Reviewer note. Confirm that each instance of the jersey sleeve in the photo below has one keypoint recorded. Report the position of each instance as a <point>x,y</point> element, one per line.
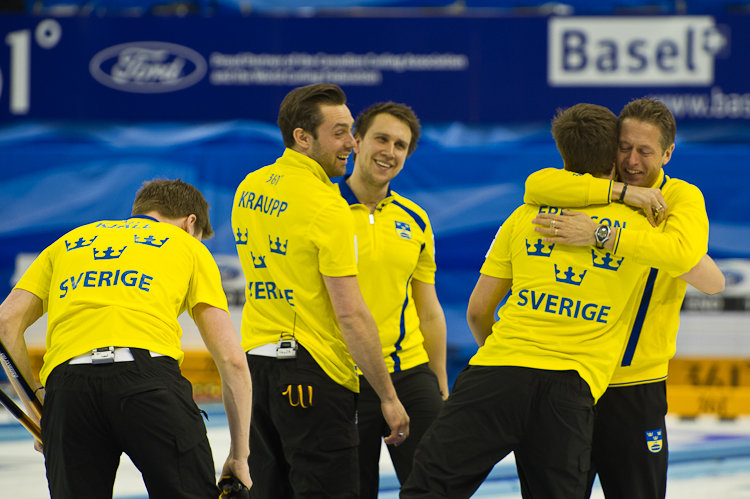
<point>566,189</point>
<point>426,267</point>
<point>498,261</point>
<point>684,240</point>
<point>38,277</point>
<point>332,232</point>
<point>205,283</point>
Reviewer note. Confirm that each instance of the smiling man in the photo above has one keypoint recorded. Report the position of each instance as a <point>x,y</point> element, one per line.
<point>305,324</point>
<point>630,436</point>
<point>397,279</point>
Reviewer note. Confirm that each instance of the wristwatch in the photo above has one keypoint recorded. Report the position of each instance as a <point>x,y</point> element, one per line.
<point>601,235</point>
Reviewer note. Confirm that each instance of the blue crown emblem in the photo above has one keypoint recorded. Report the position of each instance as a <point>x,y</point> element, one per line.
<point>278,246</point>
<point>606,260</point>
<point>569,275</point>
<point>538,248</point>
<point>108,254</point>
<point>238,240</point>
<point>150,241</point>
<point>261,259</point>
<point>78,244</point>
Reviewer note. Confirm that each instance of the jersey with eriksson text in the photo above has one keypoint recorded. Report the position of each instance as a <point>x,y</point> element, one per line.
<point>395,244</point>
<point>291,228</point>
<point>121,283</point>
<point>674,250</point>
<point>570,306</point>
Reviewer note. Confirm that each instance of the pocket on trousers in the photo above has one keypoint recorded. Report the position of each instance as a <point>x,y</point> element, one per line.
<point>146,385</point>
<point>140,388</point>
<point>194,458</point>
<point>340,439</point>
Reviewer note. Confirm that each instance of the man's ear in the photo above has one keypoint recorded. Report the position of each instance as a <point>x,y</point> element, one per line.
<point>302,138</point>
<point>188,225</point>
<point>667,155</point>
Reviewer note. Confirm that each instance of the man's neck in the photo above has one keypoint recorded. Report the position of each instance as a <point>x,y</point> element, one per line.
<point>367,194</point>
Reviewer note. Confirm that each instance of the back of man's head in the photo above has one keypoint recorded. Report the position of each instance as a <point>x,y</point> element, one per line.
<point>586,136</point>
<point>399,111</point>
<point>654,112</point>
<point>174,199</point>
<point>301,109</point>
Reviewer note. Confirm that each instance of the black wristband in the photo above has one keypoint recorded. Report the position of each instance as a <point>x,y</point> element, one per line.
<point>622,193</point>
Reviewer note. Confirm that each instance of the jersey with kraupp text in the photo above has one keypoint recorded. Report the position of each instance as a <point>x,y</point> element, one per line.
<point>291,228</point>
<point>121,283</point>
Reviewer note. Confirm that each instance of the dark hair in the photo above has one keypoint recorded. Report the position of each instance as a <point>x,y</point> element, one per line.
<point>398,111</point>
<point>301,109</point>
<point>586,136</point>
<point>654,112</point>
<point>174,199</point>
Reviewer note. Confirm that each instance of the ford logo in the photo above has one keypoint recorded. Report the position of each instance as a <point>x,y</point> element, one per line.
<point>148,67</point>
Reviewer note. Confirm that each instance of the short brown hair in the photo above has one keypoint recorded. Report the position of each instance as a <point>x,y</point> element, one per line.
<point>174,199</point>
<point>399,111</point>
<point>301,109</point>
<point>654,112</point>
<point>586,136</point>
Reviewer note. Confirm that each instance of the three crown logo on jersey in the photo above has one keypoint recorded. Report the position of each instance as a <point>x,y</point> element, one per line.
<point>278,247</point>
<point>403,230</point>
<point>653,440</point>
<point>108,254</point>
<point>261,261</point>
<point>606,260</point>
<point>238,240</point>
<point>150,241</point>
<point>539,247</point>
<point>78,244</point>
<point>570,276</point>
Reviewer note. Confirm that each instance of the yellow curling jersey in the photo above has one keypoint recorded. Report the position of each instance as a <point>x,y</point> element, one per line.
<point>291,228</point>
<point>675,248</point>
<point>121,283</point>
<point>395,245</point>
<point>570,306</point>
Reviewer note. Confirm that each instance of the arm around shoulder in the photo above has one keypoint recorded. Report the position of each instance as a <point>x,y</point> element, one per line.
<point>562,188</point>
<point>705,276</point>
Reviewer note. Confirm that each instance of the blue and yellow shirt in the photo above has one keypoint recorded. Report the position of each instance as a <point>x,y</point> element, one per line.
<point>395,245</point>
<point>675,248</point>
<point>291,227</point>
<point>121,283</point>
<point>570,306</point>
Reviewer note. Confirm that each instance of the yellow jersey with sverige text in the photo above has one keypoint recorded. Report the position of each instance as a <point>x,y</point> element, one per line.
<point>291,228</point>
<point>570,306</point>
<point>395,245</point>
<point>121,283</point>
<point>678,245</point>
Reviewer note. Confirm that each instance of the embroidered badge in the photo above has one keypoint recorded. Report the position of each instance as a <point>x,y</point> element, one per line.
<point>653,440</point>
<point>403,230</point>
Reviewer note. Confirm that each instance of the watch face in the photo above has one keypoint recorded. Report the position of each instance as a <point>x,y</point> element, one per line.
<point>602,234</point>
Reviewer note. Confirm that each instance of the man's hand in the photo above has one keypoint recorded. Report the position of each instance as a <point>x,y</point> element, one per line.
<point>650,200</point>
<point>398,421</point>
<point>237,468</point>
<point>572,227</point>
